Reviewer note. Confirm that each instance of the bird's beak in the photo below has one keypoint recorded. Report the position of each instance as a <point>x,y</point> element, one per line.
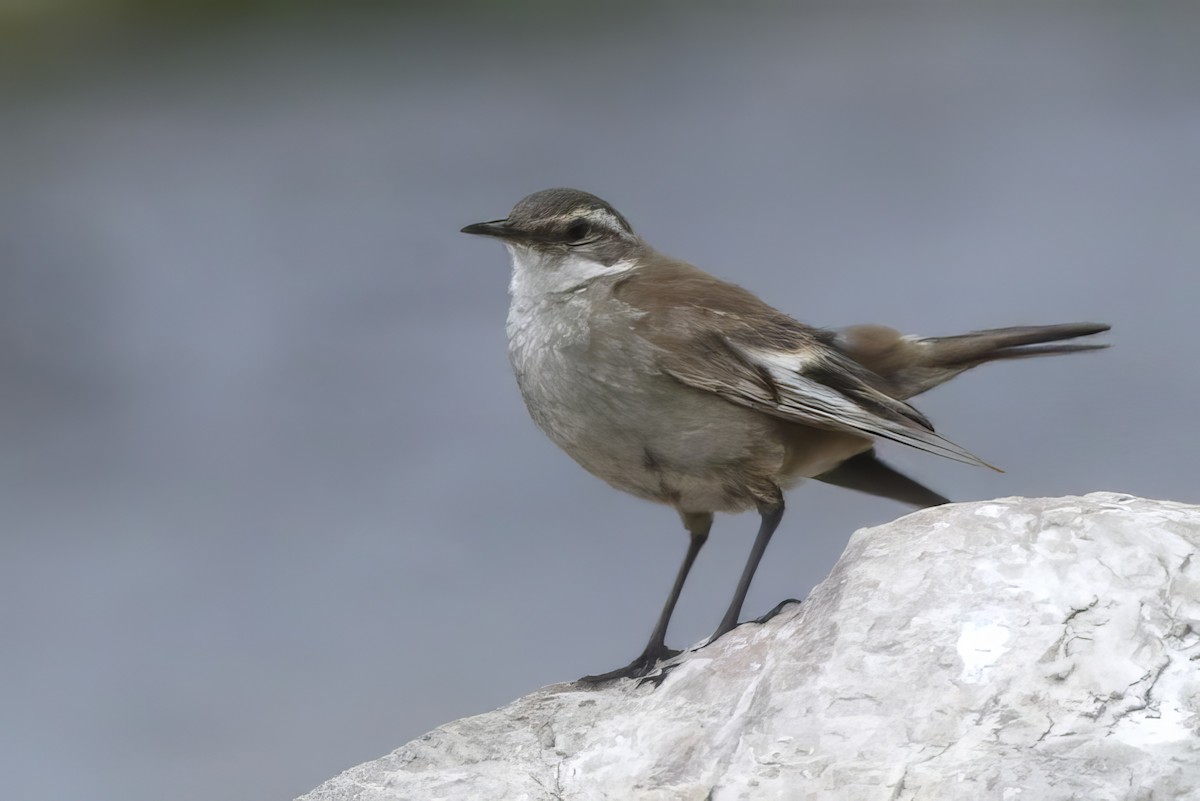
<point>497,228</point>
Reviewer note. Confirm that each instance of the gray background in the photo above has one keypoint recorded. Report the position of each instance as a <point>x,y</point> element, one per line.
<point>271,503</point>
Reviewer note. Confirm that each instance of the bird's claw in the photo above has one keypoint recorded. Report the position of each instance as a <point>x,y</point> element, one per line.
<point>640,668</point>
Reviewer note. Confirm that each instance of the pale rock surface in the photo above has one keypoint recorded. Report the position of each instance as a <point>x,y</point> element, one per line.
<point>1017,649</point>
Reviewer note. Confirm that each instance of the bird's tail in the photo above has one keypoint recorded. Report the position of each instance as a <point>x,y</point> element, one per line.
<point>911,365</point>
<point>1010,343</point>
<point>866,473</point>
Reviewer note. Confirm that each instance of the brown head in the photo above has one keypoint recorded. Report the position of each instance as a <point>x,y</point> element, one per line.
<point>565,221</point>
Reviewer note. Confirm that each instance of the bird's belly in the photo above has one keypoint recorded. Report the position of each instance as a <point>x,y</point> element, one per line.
<point>646,433</point>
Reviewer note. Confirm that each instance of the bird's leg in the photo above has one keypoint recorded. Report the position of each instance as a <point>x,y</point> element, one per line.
<point>771,513</point>
<point>698,525</point>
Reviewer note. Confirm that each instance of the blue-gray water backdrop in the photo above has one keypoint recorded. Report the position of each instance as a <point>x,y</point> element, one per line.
<point>271,503</point>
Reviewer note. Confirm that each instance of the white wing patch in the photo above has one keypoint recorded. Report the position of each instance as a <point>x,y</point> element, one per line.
<point>807,400</point>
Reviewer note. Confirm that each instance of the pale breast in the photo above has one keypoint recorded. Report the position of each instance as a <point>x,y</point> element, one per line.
<point>592,384</point>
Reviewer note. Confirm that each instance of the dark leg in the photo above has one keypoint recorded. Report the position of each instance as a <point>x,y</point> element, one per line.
<point>771,513</point>
<point>656,650</point>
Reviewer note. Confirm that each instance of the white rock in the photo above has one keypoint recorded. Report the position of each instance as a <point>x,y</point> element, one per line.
<point>1018,649</point>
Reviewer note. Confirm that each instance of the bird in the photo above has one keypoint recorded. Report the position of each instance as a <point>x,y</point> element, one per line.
<point>681,388</point>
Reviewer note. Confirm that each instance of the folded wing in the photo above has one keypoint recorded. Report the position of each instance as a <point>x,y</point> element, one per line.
<point>720,338</point>
<point>814,387</point>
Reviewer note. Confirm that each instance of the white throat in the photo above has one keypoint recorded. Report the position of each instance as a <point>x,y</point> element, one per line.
<point>538,276</point>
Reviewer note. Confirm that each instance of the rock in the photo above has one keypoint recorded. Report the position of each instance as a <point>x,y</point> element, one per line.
<point>1017,649</point>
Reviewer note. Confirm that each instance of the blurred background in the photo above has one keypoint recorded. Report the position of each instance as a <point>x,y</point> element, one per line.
<point>271,503</point>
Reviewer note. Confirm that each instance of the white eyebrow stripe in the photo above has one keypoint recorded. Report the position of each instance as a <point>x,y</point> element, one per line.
<point>601,216</point>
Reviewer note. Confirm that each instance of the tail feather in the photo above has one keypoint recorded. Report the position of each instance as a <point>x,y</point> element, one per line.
<point>908,365</point>
<point>978,347</point>
<point>1047,350</point>
<point>866,473</point>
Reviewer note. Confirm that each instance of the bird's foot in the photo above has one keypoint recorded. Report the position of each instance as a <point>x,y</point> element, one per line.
<point>722,630</point>
<point>640,668</point>
<point>778,608</point>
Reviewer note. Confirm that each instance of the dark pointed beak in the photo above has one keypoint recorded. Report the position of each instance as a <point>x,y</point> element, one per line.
<point>497,228</point>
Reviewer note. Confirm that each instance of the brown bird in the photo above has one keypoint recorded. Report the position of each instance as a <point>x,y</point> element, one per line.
<point>680,388</point>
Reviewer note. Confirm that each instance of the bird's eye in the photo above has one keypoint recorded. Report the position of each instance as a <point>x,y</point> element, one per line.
<point>578,232</point>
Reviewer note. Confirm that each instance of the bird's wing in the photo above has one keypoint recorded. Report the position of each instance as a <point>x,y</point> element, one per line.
<point>812,386</point>
<point>719,338</point>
